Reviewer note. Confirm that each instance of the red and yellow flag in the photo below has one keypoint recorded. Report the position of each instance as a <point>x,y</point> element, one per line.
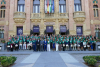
<point>48,6</point>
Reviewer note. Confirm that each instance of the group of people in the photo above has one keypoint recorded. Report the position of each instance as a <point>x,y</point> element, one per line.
<point>52,42</point>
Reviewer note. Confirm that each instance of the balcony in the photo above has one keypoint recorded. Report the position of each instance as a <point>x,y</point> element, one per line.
<point>19,17</point>
<point>35,17</point>
<point>79,16</point>
<point>63,17</point>
<point>2,14</point>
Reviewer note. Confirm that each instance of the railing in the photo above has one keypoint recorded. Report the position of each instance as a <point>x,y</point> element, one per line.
<point>63,14</point>
<point>49,15</point>
<point>19,15</point>
<point>2,13</point>
<point>35,15</point>
<point>79,14</point>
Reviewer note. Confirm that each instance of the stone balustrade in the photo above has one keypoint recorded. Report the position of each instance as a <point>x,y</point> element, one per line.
<point>79,16</point>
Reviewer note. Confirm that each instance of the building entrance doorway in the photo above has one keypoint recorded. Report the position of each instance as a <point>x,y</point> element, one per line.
<point>36,34</point>
<point>63,33</point>
<point>49,34</point>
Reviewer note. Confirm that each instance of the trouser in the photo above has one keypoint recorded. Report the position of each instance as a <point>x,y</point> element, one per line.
<point>48,47</point>
<point>20,46</point>
<point>8,48</point>
<point>60,47</point>
<point>16,48</point>
<point>67,47</point>
<point>45,47</point>
<point>74,47</point>
<point>28,46</point>
<point>38,47</point>
<point>24,46</point>
<point>56,47</point>
<point>84,48</point>
<point>63,48</point>
<point>11,49</point>
<point>34,47</point>
<point>41,47</point>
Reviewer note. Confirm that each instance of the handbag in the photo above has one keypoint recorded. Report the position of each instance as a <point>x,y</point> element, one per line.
<point>66,45</point>
<point>88,45</point>
<point>63,45</point>
<point>16,45</point>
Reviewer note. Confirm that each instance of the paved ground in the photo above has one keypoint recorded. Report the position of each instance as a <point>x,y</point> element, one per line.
<point>49,59</point>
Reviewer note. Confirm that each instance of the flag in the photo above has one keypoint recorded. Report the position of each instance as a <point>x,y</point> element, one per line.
<point>53,6</point>
<point>48,7</point>
<point>45,7</point>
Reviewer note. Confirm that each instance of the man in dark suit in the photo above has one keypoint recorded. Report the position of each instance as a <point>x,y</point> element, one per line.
<point>45,45</point>
<point>38,44</point>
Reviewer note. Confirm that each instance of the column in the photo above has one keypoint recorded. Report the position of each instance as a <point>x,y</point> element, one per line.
<point>28,14</point>
<point>82,4</point>
<point>42,8</point>
<point>56,7</point>
<point>11,15</point>
<point>42,27</point>
<point>87,21</point>
<point>57,26</point>
<point>15,5</point>
<point>31,6</point>
<point>71,21</point>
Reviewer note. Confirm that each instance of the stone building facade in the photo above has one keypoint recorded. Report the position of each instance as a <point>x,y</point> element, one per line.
<point>76,15</point>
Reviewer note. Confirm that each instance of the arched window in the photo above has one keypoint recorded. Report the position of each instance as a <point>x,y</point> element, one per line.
<point>62,6</point>
<point>2,12</point>
<point>77,5</point>
<point>36,6</point>
<point>95,8</point>
<point>21,6</point>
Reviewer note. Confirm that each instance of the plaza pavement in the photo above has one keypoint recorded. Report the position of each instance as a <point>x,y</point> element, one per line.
<point>49,59</point>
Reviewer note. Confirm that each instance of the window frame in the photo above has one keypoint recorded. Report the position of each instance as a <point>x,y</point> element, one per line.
<point>79,6</point>
<point>95,10</point>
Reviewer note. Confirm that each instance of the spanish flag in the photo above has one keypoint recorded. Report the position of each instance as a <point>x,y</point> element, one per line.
<point>48,6</point>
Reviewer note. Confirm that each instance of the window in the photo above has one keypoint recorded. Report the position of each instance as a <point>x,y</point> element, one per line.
<point>95,8</point>
<point>2,12</point>
<point>36,6</point>
<point>77,5</point>
<point>49,6</point>
<point>21,6</point>
<point>62,6</point>
<point>1,33</point>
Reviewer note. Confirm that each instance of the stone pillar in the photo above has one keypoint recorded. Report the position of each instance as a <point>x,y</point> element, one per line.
<point>11,15</point>
<point>71,21</point>
<point>57,26</point>
<point>67,10</point>
<point>28,13</point>
<point>42,14</point>
<point>87,21</point>
<point>16,5</point>
<point>31,6</point>
<point>82,4</point>
<point>42,27</point>
<point>56,7</point>
<point>42,8</point>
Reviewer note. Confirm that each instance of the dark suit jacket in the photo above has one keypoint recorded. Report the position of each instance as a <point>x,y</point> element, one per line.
<point>38,42</point>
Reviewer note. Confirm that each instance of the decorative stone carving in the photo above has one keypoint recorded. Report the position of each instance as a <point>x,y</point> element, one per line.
<point>79,16</point>
<point>19,17</point>
<point>63,17</point>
